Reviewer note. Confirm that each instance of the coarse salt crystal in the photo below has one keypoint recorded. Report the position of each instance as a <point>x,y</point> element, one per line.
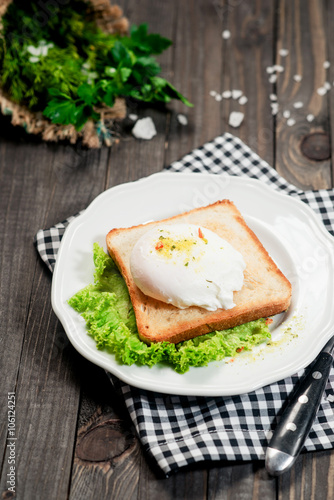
<point>283,52</point>
<point>321,90</point>
<point>226,34</point>
<point>133,117</point>
<point>327,85</point>
<point>269,69</point>
<point>273,97</point>
<point>182,119</point>
<point>227,94</point>
<point>326,64</point>
<point>297,78</point>
<point>310,118</point>
<point>278,68</point>
<point>144,129</point>
<point>213,93</point>
<point>274,108</point>
<point>298,104</point>
<point>236,94</point>
<point>273,78</point>
<point>243,100</point>
<point>291,122</point>
<point>218,97</point>
<point>286,113</point>
<point>235,119</point>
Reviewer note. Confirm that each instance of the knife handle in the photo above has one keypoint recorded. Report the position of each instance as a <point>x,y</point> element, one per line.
<point>296,421</point>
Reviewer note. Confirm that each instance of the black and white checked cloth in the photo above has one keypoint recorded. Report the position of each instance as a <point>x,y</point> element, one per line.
<point>179,430</point>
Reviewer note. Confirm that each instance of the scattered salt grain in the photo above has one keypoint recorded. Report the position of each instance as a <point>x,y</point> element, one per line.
<point>273,97</point>
<point>286,113</point>
<point>218,97</point>
<point>327,85</point>
<point>144,129</point>
<point>321,90</point>
<point>182,119</point>
<point>274,108</point>
<point>226,34</point>
<point>310,118</point>
<point>298,104</point>
<point>133,117</point>
<point>273,78</point>
<point>227,94</point>
<point>235,119</point>
<point>270,69</point>
<point>278,68</point>
<point>297,78</point>
<point>326,64</point>
<point>243,100</point>
<point>213,93</point>
<point>291,122</point>
<point>283,52</point>
<point>236,94</point>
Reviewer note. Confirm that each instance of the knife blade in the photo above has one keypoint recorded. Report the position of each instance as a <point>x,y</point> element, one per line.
<point>297,419</point>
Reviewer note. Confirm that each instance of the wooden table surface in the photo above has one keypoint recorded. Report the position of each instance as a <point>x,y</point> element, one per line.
<point>66,411</point>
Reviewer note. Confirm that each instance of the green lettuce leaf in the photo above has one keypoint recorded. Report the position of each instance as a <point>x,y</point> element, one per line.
<point>108,312</point>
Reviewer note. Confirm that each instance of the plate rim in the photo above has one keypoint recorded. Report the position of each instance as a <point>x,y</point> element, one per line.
<point>80,219</point>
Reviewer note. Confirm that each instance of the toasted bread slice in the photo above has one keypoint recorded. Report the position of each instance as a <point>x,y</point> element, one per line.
<point>265,291</point>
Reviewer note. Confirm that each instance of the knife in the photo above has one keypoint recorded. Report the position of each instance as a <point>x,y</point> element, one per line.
<point>297,419</point>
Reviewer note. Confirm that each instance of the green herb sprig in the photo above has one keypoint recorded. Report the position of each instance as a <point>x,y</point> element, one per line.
<point>69,69</point>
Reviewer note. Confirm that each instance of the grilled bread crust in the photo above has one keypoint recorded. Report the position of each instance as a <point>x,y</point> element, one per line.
<point>265,292</point>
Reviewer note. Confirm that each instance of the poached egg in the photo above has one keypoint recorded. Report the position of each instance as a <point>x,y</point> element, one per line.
<point>187,265</point>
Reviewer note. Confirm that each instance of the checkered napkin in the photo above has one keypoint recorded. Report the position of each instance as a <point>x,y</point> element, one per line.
<point>179,430</point>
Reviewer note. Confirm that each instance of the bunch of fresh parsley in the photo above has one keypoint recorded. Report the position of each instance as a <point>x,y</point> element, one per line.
<point>68,68</point>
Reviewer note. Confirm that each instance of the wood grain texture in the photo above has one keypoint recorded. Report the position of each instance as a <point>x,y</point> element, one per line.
<point>311,478</point>
<point>197,68</point>
<point>75,438</point>
<point>36,370</point>
<point>248,53</point>
<point>302,31</point>
<point>330,45</point>
<point>253,482</point>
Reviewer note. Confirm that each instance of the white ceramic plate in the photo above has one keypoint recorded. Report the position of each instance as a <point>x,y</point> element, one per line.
<point>290,231</point>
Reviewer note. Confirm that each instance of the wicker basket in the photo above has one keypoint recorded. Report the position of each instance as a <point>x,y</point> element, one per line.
<point>93,135</point>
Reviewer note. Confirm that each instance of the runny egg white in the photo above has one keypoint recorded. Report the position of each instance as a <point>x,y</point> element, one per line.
<point>187,265</point>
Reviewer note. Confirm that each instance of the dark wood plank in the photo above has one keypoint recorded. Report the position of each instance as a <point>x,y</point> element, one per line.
<point>129,160</point>
<point>303,157</point>
<point>107,457</point>
<point>197,68</point>
<point>302,31</point>
<point>35,370</point>
<point>189,483</point>
<point>40,363</point>
<point>42,184</point>
<point>242,481</point>
<point>248,53</point>
<point>311,478</point>
<point>77,176</point>
<point>330,45</point>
